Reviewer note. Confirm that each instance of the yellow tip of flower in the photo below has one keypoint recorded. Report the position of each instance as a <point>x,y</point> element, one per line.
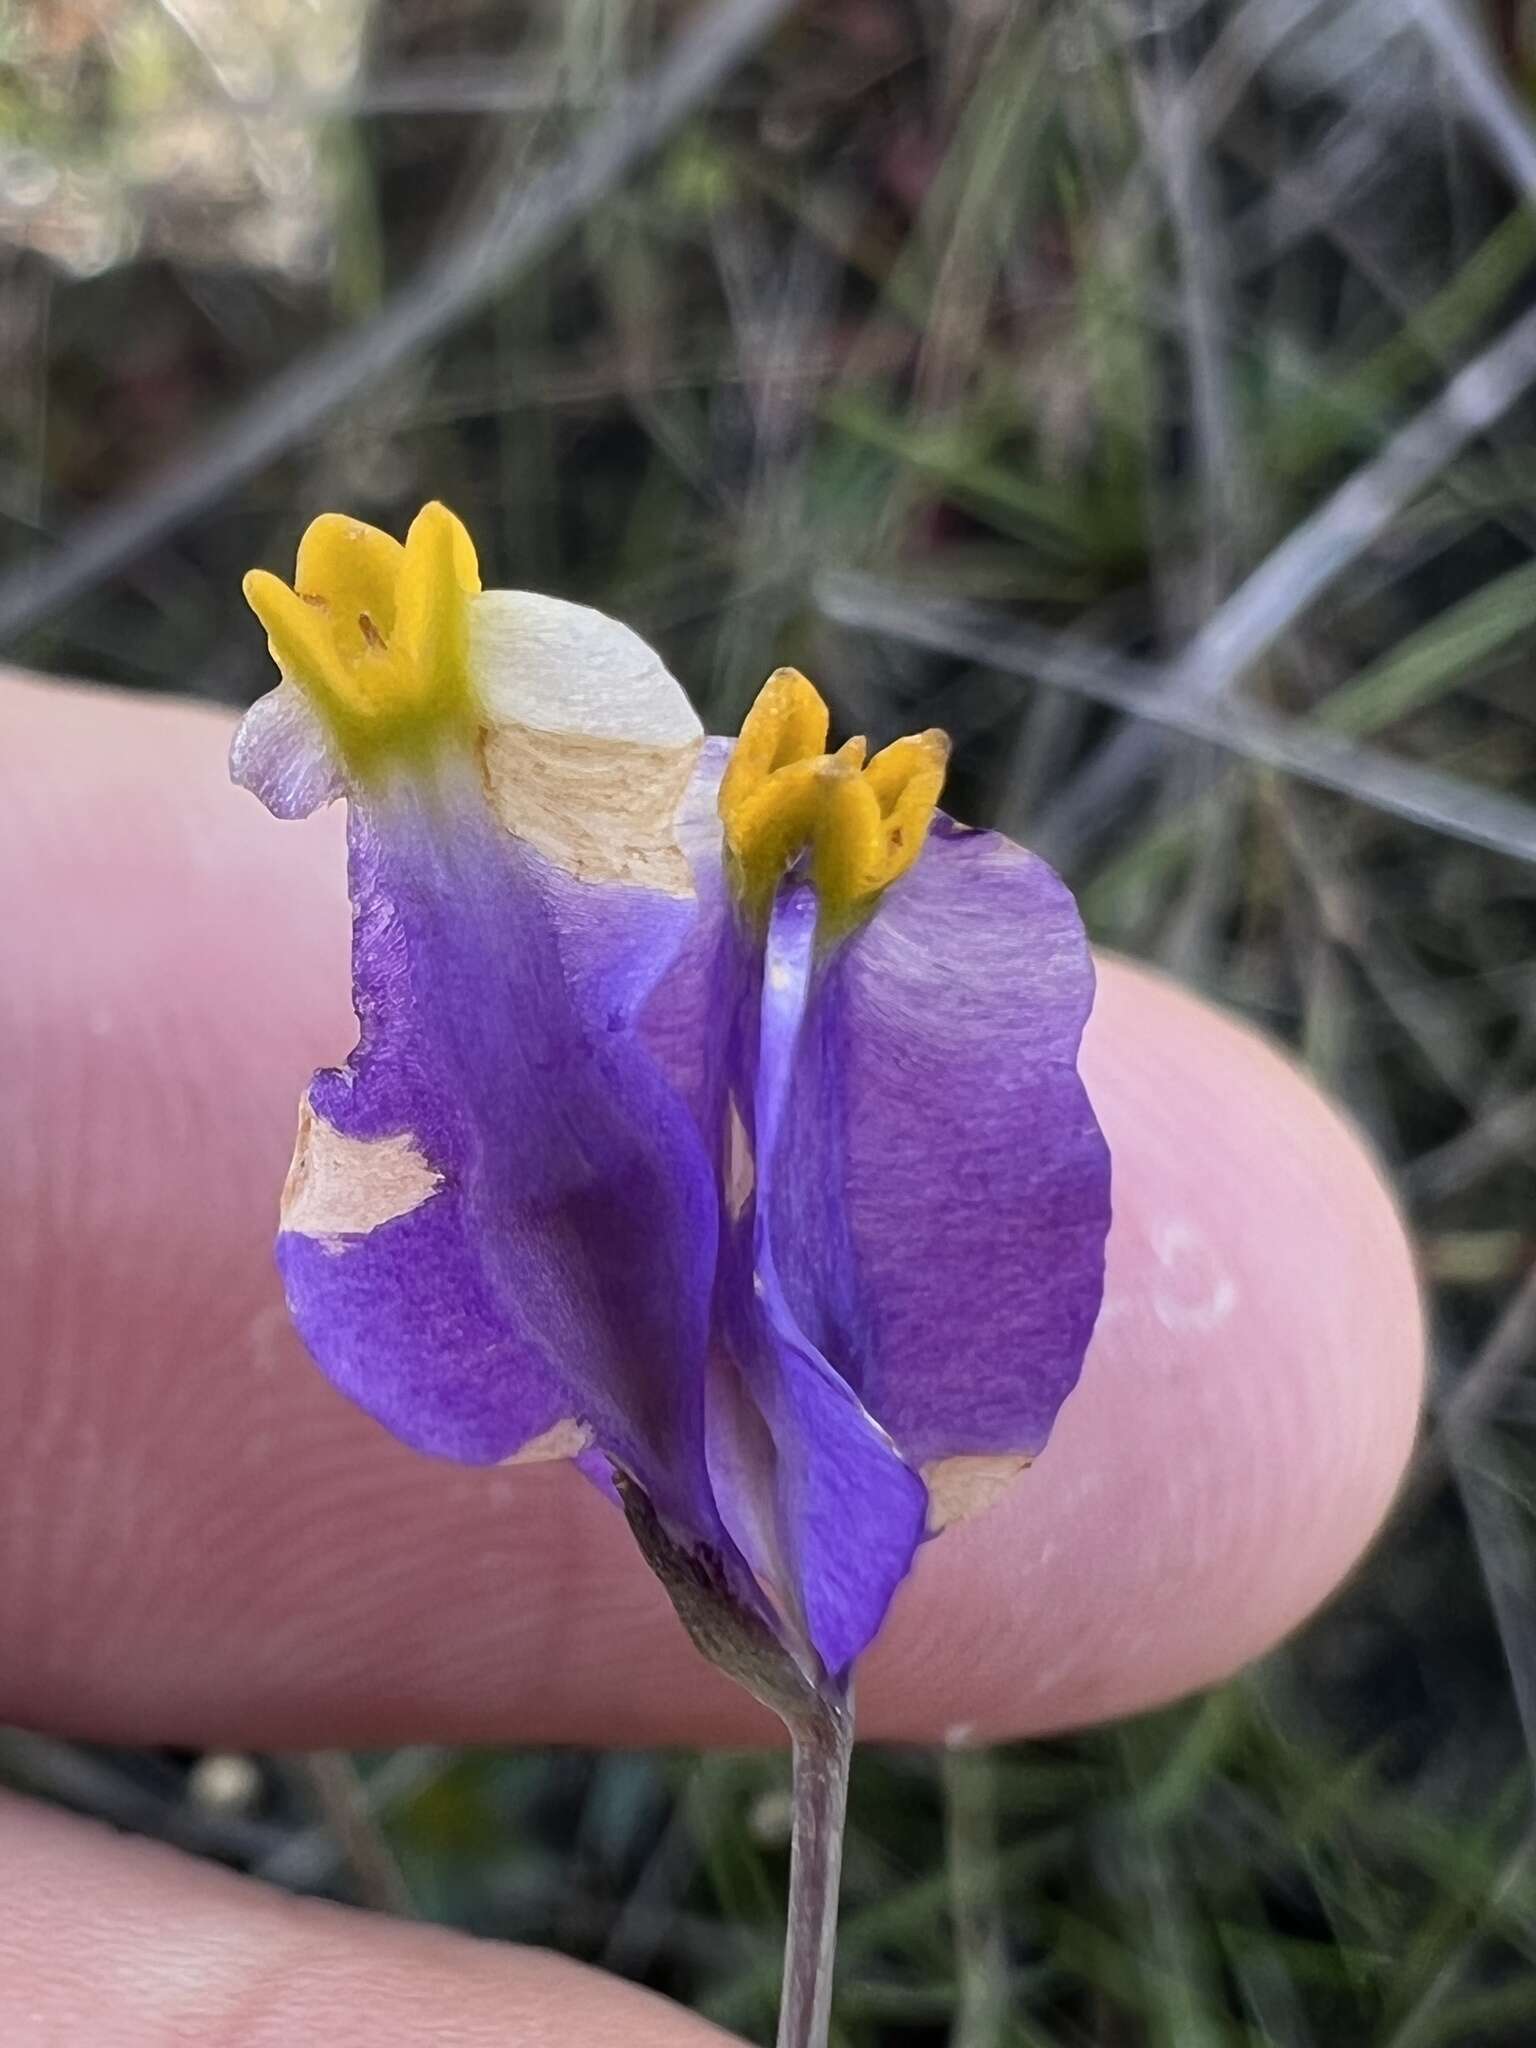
<point>376,634</point>
<point>787,724</point>
<point>782,795</point>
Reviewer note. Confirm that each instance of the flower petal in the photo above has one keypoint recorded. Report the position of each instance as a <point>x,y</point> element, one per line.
<point>941,1193</point>
<point>559,667</point>
<point>589,742</point>
<point>847,1512</point>
<point>506,1246</point>
<point>937,1092</point>
<point>281,754</point>
<point>499,1235</point>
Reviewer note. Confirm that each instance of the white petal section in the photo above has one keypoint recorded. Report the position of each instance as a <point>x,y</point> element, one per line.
<point>281,754</point>
<point>564,668</point>
<point>589,741</point>
<point>566,1439</point>
<point>340,1187</point>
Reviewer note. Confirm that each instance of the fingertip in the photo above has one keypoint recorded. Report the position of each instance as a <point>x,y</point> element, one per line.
<point>131,1945</point>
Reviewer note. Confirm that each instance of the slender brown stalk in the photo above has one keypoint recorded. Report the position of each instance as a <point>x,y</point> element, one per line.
<point>819,1718</point>
<point>822,1748</point>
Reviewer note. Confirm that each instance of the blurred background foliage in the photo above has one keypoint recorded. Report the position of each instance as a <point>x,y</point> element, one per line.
<point>1144,393</point>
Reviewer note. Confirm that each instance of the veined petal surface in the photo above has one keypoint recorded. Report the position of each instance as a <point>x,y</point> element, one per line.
<point>847,1511</point>
<point>939,1194</point>
<point>499,1234</point>
<point>537,1269</point>
<point>937,1090</point>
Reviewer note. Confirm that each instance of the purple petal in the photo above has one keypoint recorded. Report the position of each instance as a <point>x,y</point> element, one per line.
<point>847,1512</point>
<point>941,1188</point>
<point>535,1243</point>
<point>937,1104</point>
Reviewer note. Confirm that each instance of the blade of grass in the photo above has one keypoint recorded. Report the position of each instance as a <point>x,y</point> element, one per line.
<point>1442,655</point>
<point>1441,803</point>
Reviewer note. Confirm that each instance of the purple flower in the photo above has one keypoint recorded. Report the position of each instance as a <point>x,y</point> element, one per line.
<point>715,1116</point>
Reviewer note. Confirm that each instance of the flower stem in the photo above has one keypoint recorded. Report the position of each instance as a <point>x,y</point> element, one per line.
<point>822,1741</point>
<point>819,1717</point>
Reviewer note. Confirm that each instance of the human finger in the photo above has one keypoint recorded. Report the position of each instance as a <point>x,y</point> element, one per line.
<point>129,1944</point>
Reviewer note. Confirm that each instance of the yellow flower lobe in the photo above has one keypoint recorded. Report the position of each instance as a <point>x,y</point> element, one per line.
<point>783,796</point>
<point>376,634</point>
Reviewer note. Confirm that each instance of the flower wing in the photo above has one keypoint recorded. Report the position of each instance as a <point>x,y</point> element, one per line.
<point>937,1093</point>
<point>499,1233</point>
<point>845,1509</point>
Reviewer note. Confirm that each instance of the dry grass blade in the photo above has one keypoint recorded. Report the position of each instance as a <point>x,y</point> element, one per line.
<point>1425,796</point>
<point>342,1798</point>
<point>1481,86</point>
<point>1323,548</point>
<point>308,1858</point>
<point>1506,1355</point>
<point>1175,144</point>
<point>1319,551</point>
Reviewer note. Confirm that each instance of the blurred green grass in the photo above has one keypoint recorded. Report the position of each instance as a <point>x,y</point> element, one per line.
<point>1075,311</point>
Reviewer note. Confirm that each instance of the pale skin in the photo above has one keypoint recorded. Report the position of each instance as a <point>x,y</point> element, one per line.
<point>201,1543</point>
